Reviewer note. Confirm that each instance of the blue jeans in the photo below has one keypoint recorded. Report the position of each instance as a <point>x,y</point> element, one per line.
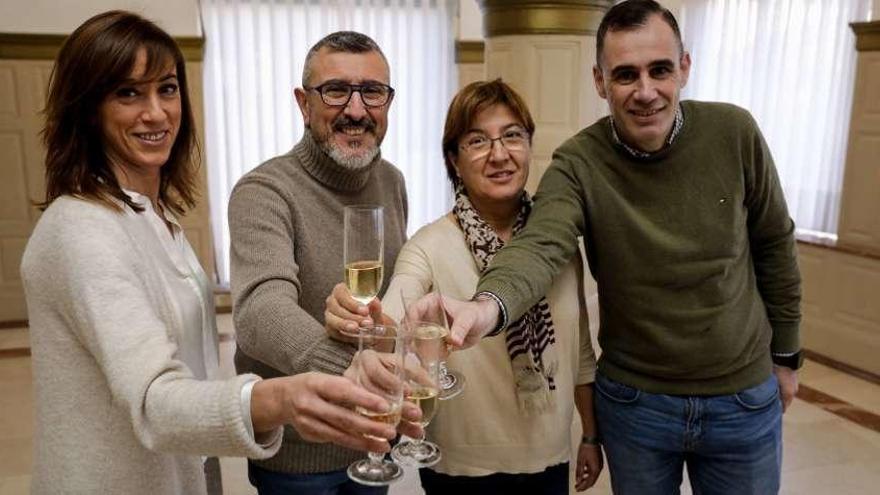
<point>731,444</point>
<point>332,483</point>
<point>551,481</point>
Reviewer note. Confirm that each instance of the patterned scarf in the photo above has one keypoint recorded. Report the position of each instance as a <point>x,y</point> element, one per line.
<point>530,339</point>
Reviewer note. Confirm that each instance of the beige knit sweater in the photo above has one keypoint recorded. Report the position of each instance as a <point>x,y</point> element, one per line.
<point>285,220</point>
<point>116,411</point>
<point>482,431</point>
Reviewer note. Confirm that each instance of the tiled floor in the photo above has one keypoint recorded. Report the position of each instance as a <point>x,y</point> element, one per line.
<point>824,452</point>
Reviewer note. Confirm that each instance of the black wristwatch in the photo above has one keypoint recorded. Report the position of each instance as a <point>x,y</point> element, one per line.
<point>792,360</point>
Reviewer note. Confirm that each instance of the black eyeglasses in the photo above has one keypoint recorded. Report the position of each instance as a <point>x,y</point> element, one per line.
<point>336,94</point>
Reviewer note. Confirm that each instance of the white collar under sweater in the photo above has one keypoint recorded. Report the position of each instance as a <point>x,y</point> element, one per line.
<point>193,304</point>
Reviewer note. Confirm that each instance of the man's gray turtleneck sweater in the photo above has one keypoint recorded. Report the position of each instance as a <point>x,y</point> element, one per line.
<point>285,220</point>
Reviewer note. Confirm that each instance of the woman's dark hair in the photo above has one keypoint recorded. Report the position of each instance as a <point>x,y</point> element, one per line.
<point>93,62</point>
<point>470,101</point>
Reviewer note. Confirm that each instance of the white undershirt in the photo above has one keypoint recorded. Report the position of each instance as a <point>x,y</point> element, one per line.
<point>193,303</point>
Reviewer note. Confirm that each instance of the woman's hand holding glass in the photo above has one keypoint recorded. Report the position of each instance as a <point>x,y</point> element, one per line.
<point>422,365</point>
<point>370,371</point>
<point>320,408</point>
<point>431,308</point>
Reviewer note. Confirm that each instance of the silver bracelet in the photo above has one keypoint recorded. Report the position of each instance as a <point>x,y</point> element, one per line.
<point>502,311</point>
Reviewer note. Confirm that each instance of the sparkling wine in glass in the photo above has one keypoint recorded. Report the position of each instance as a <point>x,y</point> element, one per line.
<point>380,370</point>
<point>422,373</point>
<point>363,253</point>
<point>429,308</point>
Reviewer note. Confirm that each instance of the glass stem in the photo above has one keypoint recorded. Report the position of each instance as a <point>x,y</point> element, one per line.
<point>416,441</point>
<point>376,458</point>
<point>445,382</point>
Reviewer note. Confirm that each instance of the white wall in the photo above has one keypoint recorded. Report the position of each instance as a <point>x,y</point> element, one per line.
<point>876,14</point>
<point>178,17</point>
<point>470,20</point>
<point>674,6</point>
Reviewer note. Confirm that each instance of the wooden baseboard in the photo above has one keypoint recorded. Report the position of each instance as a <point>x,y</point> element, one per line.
<point>841,408</point>
<point>14,353</point>
<point>840,366</point>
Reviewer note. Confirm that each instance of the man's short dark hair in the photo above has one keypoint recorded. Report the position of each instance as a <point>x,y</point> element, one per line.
<point>633,14</point>
<point>340,41</point>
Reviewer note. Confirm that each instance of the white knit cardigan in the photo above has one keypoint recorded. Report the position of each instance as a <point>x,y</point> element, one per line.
<point>116,411</point>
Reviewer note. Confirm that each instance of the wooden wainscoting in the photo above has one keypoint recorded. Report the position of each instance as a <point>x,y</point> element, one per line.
<point>25,67</point>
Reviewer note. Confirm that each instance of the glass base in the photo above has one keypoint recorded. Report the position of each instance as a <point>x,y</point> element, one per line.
<point>422,454</point>
<point>367,472</point>
<point>451,385</point>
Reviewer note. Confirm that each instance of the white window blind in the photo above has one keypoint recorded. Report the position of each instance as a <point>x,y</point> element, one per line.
<point>254,57</point>
<point>791,63</point>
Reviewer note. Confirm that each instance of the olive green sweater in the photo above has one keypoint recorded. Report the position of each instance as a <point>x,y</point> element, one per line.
<point>692,248</point>
<point>285,220</point>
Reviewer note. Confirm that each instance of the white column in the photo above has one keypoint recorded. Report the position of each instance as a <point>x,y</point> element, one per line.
<point>859,225</point>
<point>546,51</point>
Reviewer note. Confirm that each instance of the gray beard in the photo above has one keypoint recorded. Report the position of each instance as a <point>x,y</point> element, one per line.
<point>352,162</point>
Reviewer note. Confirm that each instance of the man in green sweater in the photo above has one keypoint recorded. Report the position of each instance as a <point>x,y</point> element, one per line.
<point>688,236</point>
<point>285,220</point>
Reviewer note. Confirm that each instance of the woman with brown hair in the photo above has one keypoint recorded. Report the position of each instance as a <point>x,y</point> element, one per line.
<point>508,431</point>
<point>124,342</point>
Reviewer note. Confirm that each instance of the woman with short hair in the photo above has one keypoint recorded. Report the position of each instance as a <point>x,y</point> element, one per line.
<point>508,431</point>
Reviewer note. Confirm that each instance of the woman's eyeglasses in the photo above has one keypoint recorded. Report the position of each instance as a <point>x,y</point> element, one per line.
<point>477,145</point>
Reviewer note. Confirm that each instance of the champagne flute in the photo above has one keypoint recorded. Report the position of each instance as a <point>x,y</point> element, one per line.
<point>422,373</point>
<point>363,252</point>
<point>430,309</point>
<point>380,365</point>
